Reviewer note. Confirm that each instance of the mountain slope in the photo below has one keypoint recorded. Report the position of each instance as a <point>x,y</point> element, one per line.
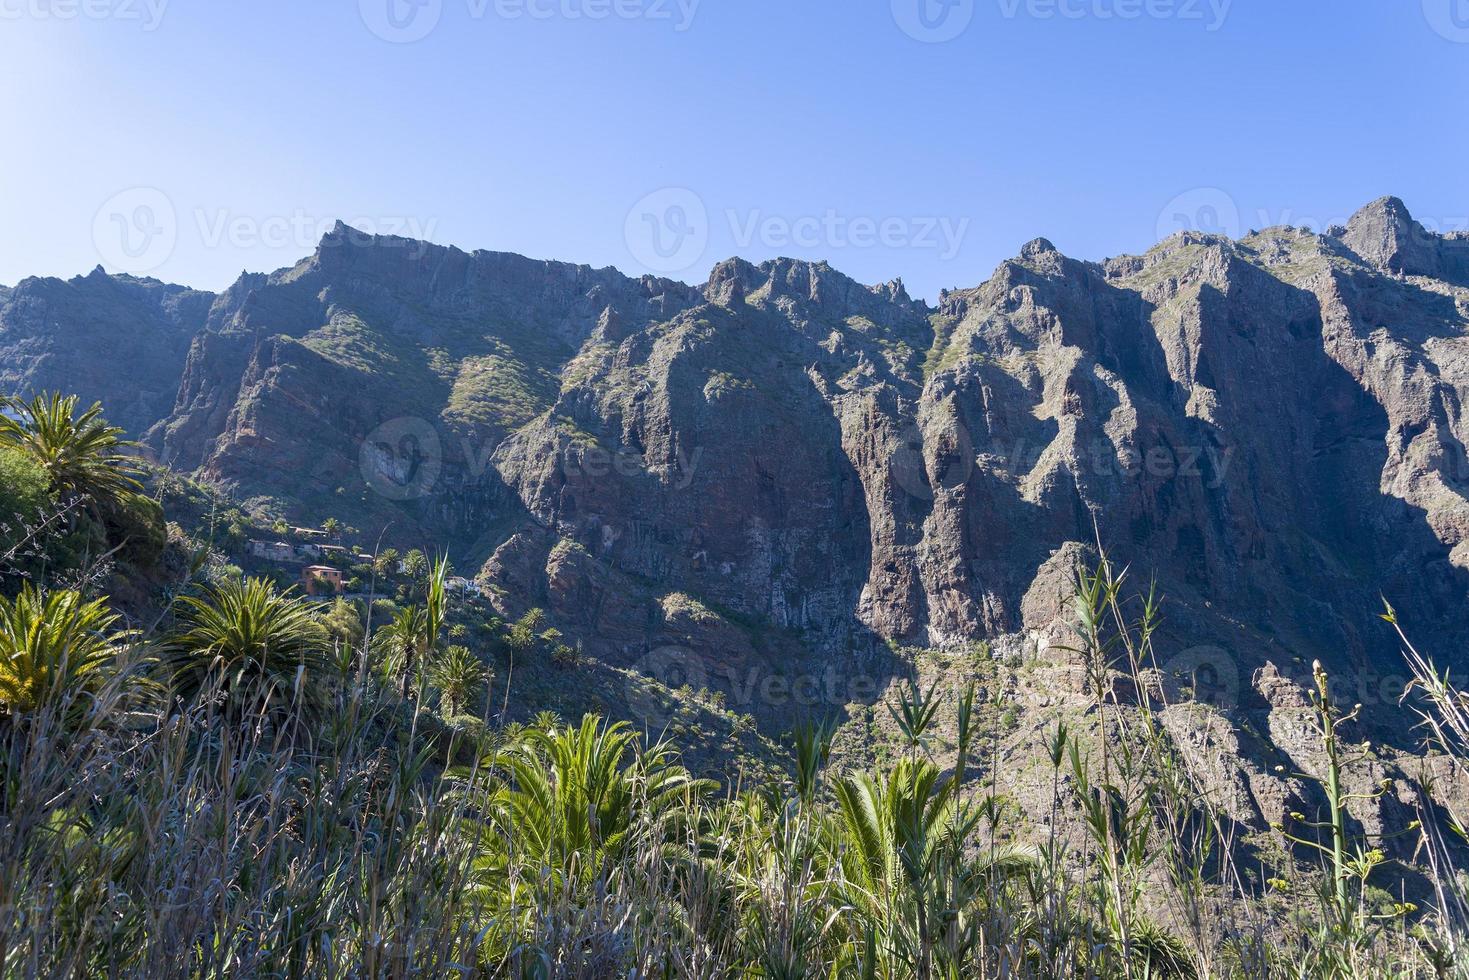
<point>1272,428</point>
<point>115,339</point>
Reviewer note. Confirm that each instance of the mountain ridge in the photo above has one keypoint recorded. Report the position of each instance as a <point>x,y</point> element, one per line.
<point>1271,426</point>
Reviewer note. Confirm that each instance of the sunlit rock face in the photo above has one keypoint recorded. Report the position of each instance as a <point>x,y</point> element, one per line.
<point>1270,428</point>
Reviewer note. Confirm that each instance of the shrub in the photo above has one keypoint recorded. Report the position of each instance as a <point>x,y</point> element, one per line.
<point>25,501</point>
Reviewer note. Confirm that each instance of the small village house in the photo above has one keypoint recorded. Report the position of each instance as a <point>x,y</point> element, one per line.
<point>465,586</point>
<point>316,579</point>
<point>272,550</point>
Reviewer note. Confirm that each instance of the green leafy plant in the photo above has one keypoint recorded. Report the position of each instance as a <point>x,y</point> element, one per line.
<point>81,454</point>
<point>459,675</point>
<point>55,650</point>
<point>260,646</point>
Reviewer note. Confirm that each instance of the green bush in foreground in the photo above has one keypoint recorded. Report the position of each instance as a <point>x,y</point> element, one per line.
<point>148,834</point>
<point>55,649</point>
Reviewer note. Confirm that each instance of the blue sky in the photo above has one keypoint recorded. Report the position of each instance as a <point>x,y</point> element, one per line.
<point>191,139</point>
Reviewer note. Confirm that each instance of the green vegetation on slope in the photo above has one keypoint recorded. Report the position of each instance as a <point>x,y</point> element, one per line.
<point>260,785</point>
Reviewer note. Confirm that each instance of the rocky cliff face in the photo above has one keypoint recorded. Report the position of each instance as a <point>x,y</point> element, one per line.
<point>1269,427</point>
<point>1272,428</point>
<point>114,339</point>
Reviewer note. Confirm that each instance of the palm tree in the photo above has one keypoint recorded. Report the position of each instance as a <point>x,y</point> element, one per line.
<point>54,650</point>
<point>520,638</point>
<point>386,562</point>
<point>577,797</point>
<point>415,563</point>
<point>905,871</point>
<point>398,641</point>
<point>81,454</point>
<point>457,674</point>
<point>252,640</point>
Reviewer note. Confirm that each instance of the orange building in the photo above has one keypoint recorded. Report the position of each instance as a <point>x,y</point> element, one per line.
<point>315,578</point>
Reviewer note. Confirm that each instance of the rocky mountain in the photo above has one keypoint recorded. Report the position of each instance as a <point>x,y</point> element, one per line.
<point>786,460</point>
<point>116,339</point>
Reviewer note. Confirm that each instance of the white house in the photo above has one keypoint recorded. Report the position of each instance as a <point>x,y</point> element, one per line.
<point>458,583</point>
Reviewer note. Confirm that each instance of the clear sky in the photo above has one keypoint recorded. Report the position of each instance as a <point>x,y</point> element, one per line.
<point>927,139</point>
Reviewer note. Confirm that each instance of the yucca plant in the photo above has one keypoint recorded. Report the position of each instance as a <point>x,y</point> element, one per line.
<point>55,649</point>
<point>434,606</point>
<point>82,454</point>
<point>258,645</point>
<point>1348,929</point>
<point>1442,709</point>
<point>413,635</point>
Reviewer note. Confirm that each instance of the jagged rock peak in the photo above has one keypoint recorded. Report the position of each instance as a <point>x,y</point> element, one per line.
<point>893,291</point>
<point>1384,235</point>
<point>730,281</point>
<point>343,234</point>
<point>1035,248</point>
<point>811,286</point>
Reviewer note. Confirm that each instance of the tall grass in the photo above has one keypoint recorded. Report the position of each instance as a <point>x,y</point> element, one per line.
<point>287,813</point>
